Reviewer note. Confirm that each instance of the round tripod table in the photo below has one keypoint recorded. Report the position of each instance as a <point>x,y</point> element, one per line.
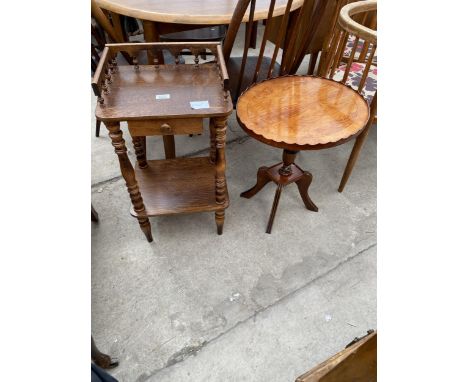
<point>297,113</point>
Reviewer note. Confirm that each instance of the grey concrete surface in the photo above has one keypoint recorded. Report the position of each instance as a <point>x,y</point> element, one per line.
<point>244,306</point>
<point>293,335</point>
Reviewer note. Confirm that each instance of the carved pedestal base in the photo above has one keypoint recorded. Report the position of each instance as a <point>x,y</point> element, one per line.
<point>283,174</point>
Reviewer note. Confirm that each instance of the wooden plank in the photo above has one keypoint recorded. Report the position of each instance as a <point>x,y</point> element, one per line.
<point>357,363</point>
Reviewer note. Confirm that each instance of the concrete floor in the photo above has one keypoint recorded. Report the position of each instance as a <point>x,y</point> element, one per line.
<point>244,306</point>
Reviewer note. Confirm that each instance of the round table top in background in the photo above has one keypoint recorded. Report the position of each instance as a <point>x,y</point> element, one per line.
<point>191,11</point>
<point>302,112</point>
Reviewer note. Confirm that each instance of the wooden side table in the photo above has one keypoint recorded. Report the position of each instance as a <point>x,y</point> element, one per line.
<point>298,113</point>
<point>159,100</point>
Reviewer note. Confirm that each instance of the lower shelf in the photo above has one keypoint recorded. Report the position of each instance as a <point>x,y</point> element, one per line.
<point>175,186</point>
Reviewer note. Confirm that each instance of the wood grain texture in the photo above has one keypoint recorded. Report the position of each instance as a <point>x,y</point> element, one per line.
<point>302,112</point>
<point>207,12</point>
<point>102,19</point>
<point>165,127</point>
<point>357,363</point>
<point>282,174</point>
<point>128,174</point>
<point>128,93</point>
<point>220,126</point>
<point>132,94</point>
<point>181,185</point>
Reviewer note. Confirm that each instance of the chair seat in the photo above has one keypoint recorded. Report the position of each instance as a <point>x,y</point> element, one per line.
<point>302,112</point>
<point>354,78</point>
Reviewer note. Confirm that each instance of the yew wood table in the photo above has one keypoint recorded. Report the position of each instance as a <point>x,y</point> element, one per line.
<point>167,99</point>
<point>298,113</point>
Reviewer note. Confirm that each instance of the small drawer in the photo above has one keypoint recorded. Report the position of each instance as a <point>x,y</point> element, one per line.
<point>166,127</point>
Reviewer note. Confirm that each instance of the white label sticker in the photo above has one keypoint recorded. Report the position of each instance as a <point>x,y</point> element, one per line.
<point>163,96</point>
<point>199,105</point>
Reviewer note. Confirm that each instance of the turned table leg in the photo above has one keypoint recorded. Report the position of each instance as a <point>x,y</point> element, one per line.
<point>212,141</point>
<point>128,174</point>
<point>139,144</point>
<point>220,125</point>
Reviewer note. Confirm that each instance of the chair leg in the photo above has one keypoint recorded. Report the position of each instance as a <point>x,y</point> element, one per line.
<point>353,158</point>
<point>274,208</point>
<point>98,127</point>
<point>358,144</point>
<point>219,217</point>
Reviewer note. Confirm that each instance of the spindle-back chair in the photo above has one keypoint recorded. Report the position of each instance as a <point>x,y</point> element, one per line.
<point>349,56</point>
<point>246,70</point>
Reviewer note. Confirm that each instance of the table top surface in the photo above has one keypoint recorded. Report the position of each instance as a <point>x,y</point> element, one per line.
<point>191,11</point>
<point>302,112</point>
<point>168,92</point>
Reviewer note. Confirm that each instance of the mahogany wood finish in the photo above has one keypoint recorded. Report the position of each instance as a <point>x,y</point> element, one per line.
<point>128,93</point>
<point>356,363</point>
<point>283,174</point>
<point>356,20</point>
<point>302,112</point>
<point>298,113</point>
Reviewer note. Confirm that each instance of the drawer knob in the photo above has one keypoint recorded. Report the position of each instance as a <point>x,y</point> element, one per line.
<point>165,128</point>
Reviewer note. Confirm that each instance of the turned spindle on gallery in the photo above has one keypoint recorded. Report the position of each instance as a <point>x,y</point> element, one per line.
<point>173,185</point>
